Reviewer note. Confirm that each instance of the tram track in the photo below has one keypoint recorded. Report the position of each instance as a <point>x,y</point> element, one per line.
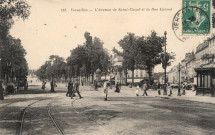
<point>57,125</point>
<point>21,121</point>
<point>90,118</point>
<point>22,118</point>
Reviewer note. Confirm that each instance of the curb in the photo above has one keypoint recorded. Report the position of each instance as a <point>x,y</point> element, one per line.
<point>183,98</point>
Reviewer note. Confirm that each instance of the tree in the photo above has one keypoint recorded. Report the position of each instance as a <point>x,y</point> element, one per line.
<point>13,54</point>
<point>167,59</point>
<point>11,50</point>
<point>77,59</point>
<point>87,58</point>
<point>129,54</point>
<point>10,9</point>
<point>151,52</point>
<point>55,67</point>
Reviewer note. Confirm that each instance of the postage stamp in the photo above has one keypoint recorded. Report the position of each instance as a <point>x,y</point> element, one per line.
<point>196,17</point>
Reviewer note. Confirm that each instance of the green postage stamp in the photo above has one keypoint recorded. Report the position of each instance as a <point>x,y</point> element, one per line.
<point>196,17</point>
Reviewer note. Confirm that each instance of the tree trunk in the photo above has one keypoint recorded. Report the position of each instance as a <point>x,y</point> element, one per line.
<point>126,74</point>
<point>92,78</point>
<point>150,77</point>
<point>132,77</point>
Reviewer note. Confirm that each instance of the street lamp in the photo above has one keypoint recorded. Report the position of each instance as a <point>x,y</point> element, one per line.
<point>165,91</point>
<point>1,88</point>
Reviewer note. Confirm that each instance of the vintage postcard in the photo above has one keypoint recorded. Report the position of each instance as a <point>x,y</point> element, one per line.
<point>107,67</point>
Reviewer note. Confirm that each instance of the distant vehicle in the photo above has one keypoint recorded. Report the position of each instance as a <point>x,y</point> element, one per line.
<point>10,88</point>
<point>22,82</point>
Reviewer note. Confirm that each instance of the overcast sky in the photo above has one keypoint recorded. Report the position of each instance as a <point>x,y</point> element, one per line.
<point>49,31</point>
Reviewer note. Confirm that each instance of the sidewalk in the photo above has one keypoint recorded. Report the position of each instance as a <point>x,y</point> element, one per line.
<point>190,95</point>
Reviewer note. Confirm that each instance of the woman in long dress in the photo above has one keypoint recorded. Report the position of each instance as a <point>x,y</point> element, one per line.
<point>105,86</point>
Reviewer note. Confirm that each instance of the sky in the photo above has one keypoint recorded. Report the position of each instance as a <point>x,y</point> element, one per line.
<point>51,30</point>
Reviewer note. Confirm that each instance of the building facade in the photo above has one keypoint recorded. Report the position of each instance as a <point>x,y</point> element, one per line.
<point>120,75</point>
<point>198,68</point>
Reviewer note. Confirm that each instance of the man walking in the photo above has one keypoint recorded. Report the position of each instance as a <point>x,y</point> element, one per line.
<point>70,88</point>
<point>52,86</point>
<point>144,87</point>
<point>76,88</point>
<point>117,88</point>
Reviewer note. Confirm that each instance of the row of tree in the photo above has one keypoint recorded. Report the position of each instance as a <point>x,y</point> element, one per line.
<point>144,53</point>
<point>12,53</point>
<point>137,53</point>
<point>84,60</point>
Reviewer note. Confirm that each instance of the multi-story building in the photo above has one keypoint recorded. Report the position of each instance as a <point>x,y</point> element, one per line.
<point>173,76</point>
<point>202,52</point>
<point>187,72</point>
<point>198,67</point>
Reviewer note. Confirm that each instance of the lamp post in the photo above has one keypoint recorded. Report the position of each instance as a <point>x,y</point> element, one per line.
<point>1,88</point>
<point>165,91</point>
<point>179,81</point>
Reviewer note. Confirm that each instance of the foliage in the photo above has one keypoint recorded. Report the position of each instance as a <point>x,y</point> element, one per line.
<point>12,52</point>
<point>55,67</point>
<point>10,9</point>
<point>150,51</point>
<point>86,58</point>
<point>13,58</point>
<point>129,54</point>
<point>143,53</point>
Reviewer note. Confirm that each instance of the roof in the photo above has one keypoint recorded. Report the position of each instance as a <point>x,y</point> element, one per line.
<point>210,66</point>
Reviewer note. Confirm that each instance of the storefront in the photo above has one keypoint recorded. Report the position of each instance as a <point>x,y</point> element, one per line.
<point>205,81</point>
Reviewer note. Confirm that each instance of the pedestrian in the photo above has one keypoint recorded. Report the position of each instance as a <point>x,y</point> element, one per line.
<point>96,85</point>
<point>1,91</point>
<point>82,82</point>
<point>52,84</point>
<point>105,86</point>
<point>76,89</point>
<point>117,88</point>
<point>43,85</point>
<point>170,89</point>
<point>184,88</point>
<point>69,88</point>
<point>159,89</point>
<point>137,90</point>
<point>145,86</point>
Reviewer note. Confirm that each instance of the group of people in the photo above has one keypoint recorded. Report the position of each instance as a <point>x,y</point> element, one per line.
<point>143,87</point>
<point>106,84</point>
<point>52,84</point>
<point>72,88</point>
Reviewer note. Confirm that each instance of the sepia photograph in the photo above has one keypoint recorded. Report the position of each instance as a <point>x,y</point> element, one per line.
<point>107,67</point>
